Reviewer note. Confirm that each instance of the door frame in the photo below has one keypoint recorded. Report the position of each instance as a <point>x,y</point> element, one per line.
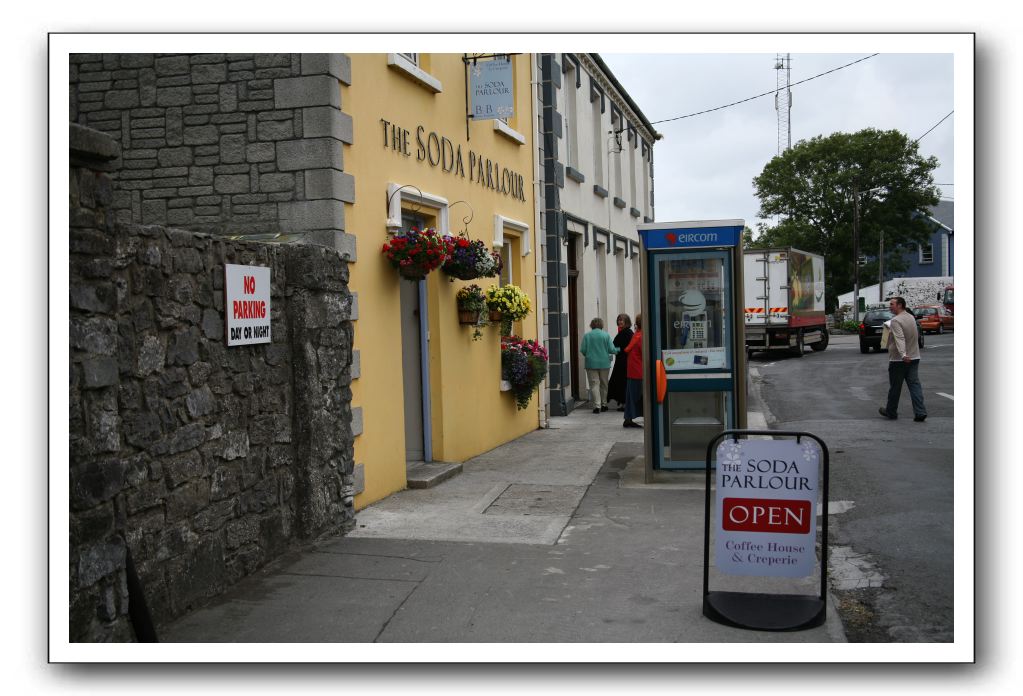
<point>398,196</point>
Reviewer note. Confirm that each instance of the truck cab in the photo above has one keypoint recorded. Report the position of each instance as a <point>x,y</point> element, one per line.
<point>945,297</point>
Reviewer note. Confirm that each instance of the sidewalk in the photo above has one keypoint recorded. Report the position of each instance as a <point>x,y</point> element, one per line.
<point>552,537</point>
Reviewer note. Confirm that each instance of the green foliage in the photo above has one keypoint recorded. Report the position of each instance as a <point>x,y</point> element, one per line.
<point>849,325</point>
<point>812,187</point>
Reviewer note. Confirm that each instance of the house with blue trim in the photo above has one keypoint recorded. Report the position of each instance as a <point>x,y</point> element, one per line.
<point>935,259</point>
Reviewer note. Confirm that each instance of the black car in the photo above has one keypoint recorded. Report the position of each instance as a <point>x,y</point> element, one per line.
<point>872,325</point>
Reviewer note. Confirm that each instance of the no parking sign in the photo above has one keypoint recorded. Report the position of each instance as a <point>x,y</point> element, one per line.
<point>247,304</point>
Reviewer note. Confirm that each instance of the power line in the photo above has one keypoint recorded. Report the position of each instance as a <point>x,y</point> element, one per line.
<point>743,101</point>
<point>935,125</point>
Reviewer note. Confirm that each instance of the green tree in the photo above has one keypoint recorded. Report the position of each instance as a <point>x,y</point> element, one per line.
<point>813,186</point>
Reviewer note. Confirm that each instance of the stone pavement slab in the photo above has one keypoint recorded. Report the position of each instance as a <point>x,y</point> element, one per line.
<point>445,565</point>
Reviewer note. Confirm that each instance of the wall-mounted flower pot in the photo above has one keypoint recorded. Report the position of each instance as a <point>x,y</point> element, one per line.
<point>467,316</point>
<point>495,317</point>
<point>412,273</point>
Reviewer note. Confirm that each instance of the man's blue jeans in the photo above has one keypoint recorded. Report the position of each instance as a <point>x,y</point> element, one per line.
<point>897,372</point>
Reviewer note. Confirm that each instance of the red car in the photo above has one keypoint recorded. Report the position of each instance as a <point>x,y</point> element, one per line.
<point>934,318</point>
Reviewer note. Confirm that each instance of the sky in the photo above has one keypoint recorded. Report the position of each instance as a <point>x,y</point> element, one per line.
<point>704,166</point>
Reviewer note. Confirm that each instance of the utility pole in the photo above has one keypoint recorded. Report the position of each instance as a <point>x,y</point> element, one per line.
<point>880,271</point>
<point>856,255</point>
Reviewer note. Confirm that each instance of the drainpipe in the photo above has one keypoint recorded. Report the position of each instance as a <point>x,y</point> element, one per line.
<point>539,249</point>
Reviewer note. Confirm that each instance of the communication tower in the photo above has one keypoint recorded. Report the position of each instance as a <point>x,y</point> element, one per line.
<point>783,100</point>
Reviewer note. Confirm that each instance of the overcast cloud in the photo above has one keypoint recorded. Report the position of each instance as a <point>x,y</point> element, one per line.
<point>704,166</point>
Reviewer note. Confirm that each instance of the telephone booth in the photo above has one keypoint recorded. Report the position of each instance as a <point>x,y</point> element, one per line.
<point>694,359</point>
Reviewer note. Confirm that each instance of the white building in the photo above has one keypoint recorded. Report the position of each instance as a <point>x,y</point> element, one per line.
<point>595,165</point>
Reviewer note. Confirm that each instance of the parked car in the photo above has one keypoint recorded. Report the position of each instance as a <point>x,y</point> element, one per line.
<point>934,318</point>
<point>872,325</point>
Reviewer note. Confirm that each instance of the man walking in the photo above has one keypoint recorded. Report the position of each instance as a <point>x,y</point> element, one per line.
<point>903,362</point>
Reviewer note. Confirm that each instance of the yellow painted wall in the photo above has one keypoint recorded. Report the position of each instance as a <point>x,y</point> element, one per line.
<point>470,414</point>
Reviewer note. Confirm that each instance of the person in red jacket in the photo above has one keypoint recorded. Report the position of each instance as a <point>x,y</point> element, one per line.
<point>634,377</point>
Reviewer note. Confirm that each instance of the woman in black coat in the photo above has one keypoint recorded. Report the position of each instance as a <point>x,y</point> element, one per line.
<point>616,385</point>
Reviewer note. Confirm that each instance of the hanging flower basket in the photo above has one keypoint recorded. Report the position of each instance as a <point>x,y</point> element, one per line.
<point>415,273</point>
<point>468,316</point>
<point>472,305</point>
<point>523,366</point>
<point>469,259</point>
<point>416,253</point>
<point>495,316</point>
<point>510,302</point>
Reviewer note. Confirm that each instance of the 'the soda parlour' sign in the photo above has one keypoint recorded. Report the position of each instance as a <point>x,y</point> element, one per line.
<point>766,507</point>
<point>247,304</point>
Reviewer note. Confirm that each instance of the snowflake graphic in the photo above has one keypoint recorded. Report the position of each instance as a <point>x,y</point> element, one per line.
<point>477,71</point>
<point>730,453</point>
<point>809,452</point>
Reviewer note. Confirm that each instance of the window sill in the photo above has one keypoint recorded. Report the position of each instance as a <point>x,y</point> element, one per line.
<point>509,132</point>
<point>414,72</point>
<point>574,174</point>
<point>599,191</point>
<point>619,203</point>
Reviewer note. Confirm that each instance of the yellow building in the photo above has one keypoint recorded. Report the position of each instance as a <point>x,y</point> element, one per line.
<point>423,389</point>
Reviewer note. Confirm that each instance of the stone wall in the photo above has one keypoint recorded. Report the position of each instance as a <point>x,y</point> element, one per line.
<point>236,144</point>
<point>204,461</point>
<point>916,291</point>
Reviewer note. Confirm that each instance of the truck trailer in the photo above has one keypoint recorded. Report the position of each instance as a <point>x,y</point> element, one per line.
<point>784,300</point>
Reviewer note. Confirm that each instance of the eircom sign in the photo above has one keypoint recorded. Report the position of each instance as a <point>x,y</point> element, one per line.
<point>766,507</point>
<point>247,304</point>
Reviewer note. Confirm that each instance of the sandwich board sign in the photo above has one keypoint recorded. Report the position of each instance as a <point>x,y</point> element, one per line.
<point>767,507</point>
<point>765,525</point>
<point>247,304</point>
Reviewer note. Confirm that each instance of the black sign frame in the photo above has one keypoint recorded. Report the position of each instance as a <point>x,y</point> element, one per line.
<point>757,610</point>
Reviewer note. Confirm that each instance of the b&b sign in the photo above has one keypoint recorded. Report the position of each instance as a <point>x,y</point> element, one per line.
<point>492,89</point>
<point>247,304</point>
<point>766,507</point>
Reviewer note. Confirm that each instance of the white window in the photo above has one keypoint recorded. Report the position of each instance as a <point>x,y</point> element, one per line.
<point>926,253</point>
<point>571,124</point>
<point>633,173</point>
<point>620,278</point>
<point>600,141</point>
<point>645,165</point>
<point>411,65</point>
<point>637,296</point>
<point>511,240</point>
<point>601,280</point>
<point>506,263</point>
<point>616,152</point>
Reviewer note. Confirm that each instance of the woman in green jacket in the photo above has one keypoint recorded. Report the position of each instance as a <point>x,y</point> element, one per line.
<point>598,348</point>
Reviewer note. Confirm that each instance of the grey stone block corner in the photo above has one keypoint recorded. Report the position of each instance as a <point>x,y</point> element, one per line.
<point>346,246</point>
<point>91,146</point>
<point>337,65</point>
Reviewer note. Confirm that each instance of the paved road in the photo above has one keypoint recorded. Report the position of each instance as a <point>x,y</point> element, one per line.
<point>891,527</point>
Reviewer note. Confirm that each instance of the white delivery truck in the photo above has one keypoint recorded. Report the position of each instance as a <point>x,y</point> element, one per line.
<point>784,300</point>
